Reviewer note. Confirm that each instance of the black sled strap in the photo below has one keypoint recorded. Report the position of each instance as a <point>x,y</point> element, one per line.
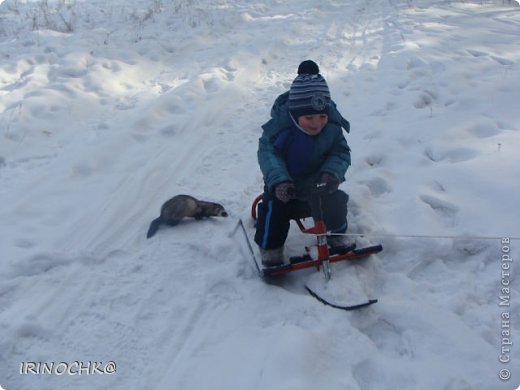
<point>347,308</point>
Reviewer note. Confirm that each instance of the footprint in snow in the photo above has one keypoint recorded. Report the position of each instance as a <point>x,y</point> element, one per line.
<point>377,186</point>
<point>503,61</point>
<point>216,79</point>
<point>469,248</point>
<point>446,210</point>
<point>168,131</point>
<point>375,160</point>
<point>425,99</point>
<point>389,338</point>
<point>438,186</point>
<point>364,375</point>
<point>476,53</point>
<point>25,243</point>
<point>454,155</point>
<point>483,130</point>
<point>33,330</point>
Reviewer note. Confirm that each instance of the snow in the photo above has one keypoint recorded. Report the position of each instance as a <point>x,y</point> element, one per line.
<point>108,109</point>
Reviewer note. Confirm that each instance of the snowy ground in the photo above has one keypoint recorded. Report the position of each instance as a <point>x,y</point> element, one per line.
<point>110,108</point>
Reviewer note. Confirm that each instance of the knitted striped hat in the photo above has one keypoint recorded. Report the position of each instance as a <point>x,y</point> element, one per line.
<point>309,93</point>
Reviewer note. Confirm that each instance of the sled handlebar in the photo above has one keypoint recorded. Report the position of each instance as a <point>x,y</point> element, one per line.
<point>312,194</point>
<point>308,192</point>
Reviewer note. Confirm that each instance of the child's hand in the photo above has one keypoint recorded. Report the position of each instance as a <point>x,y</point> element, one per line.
<point>331,180</point>
<point>285,191</point>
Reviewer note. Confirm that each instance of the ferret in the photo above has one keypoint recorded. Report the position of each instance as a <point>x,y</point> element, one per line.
<point>182,206</point>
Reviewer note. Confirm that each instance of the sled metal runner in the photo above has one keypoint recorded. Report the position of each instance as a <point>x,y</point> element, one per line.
<point>326,255</point>
<point>307,262</point>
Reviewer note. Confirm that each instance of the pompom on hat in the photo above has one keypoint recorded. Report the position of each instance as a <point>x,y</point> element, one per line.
<point>309,93</point>
<point>308,67</point>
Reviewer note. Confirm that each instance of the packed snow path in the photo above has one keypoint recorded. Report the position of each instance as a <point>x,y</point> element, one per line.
<point>109,109</point>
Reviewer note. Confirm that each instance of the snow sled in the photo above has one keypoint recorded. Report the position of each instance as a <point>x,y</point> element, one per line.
<point>325,254</point>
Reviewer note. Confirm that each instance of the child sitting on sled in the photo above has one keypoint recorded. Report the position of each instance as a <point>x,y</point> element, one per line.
<point>302,144</point>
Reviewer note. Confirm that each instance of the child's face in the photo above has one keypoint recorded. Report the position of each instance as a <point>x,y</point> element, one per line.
<point>313,124</point>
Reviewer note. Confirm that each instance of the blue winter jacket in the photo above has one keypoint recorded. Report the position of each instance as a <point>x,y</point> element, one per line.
<point>285,153</point>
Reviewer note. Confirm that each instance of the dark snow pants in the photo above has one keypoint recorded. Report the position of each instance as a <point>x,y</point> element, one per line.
<point>272,225</point>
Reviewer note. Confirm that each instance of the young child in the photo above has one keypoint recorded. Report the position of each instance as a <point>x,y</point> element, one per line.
<point>301,144</point>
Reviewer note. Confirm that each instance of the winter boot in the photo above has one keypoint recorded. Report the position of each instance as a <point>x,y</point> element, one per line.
<point>341,242</point>
<point>272,257</point>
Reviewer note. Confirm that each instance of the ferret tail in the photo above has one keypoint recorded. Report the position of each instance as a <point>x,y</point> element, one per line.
<point>154,226</point>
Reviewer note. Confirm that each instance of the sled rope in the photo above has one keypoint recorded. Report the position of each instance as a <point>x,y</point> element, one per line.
<point>426,236</point>
<point>241,224</point>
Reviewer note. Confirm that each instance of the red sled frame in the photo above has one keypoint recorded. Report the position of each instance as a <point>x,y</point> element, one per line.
<point>325,257</point>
